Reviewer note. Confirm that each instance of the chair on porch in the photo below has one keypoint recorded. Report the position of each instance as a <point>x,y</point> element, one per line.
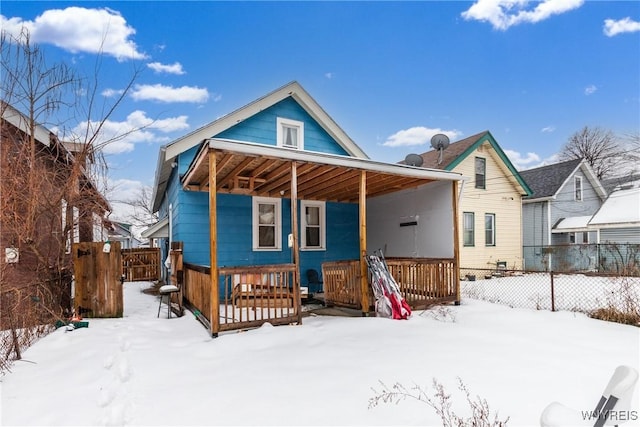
<point>614,407</point>
<point>313,279</point>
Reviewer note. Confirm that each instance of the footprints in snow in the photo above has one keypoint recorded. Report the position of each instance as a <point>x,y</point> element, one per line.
<point>114,392</point>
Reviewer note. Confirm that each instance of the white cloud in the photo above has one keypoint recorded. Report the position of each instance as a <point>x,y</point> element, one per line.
<point>120,137</point>
<point>591,89</point>
<point>548,129</point>
<point>111,93</point>
<point>522,162</point>
<point>175,68</point>
<point>216,97</point>
<point>627,25</point>
<point>502,14</point>
<point>418,135</point>
<point>162,93</point>
<point>329,75</point>
<point>78,29</point>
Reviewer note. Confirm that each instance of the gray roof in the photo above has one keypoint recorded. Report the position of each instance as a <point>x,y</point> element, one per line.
<point>545,181</point>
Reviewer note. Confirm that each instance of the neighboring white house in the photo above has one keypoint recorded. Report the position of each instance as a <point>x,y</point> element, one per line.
<point>618,219</point>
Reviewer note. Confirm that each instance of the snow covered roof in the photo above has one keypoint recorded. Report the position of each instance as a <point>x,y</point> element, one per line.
<point>572,224</point>
<point>621,208</point>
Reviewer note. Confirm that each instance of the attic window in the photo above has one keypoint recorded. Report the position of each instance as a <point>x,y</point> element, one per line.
<point>290,133</point>
<point>481,171</point>
<point>577,187</point>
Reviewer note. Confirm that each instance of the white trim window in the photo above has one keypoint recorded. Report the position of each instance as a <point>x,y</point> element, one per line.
<point>290,133</point>
<point>313,225</point>
<point>267,224</point>
<point>490,229</point>
<point>577,188</point>
<point>468,228</point>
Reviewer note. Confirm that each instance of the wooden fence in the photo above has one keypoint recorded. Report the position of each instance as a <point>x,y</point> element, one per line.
<point>422,281</point>
<point>141,264</point>
<point>248,296</point>
<point>98,288</point>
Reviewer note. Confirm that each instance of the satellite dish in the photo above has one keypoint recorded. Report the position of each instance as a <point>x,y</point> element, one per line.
<point>414,160</point>
<point>440,142</point>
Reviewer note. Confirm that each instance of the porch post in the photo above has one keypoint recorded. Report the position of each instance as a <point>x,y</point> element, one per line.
<point>294,233</point>
<point>364,283</point>
<point>214,315</point>
<point>456,242</point>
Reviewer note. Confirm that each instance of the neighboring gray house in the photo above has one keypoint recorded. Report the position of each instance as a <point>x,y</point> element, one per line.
<point>565,197</point>
<point>122,232</point>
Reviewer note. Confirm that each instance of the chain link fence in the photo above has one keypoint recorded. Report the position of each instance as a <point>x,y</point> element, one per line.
<point>615,258</point>
<point>553,291</point>
<point>29,313</point>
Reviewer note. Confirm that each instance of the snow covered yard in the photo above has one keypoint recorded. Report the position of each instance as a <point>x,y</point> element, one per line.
<point>141,370</point>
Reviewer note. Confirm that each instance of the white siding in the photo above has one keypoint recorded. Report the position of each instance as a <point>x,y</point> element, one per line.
<point>431,206</point>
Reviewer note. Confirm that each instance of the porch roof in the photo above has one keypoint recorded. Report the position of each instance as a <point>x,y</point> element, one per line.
<point>263,170</point>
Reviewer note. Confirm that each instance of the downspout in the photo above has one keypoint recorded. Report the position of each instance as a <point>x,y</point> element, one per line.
<point>549,234</point>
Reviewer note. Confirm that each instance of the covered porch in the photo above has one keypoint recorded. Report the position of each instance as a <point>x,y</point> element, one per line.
<point>243,296</point>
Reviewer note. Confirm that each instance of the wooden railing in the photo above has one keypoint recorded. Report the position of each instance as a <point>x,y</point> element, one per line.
<point>425,281</point>
<point>341,283</point>
<point>249,296</point>
<point>422,281</point>
<point>141,264</point>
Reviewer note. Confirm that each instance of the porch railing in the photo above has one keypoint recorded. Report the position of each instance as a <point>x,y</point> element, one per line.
<point>248,296</point>
<point>422,281</point>
<point>341,283</point>
<point>425,281</point>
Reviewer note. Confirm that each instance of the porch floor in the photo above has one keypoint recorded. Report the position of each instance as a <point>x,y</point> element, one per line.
<point>315,306</point>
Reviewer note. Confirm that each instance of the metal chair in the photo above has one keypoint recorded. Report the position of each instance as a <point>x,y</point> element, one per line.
<point>168,291</point>
<point>313,279</point>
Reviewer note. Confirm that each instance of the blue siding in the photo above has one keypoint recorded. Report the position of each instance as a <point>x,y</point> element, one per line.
<point>190,210</point>
<point>234,219</point>
<point>261,128</point>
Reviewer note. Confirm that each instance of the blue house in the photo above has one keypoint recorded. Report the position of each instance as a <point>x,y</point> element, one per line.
<point>291,190</point>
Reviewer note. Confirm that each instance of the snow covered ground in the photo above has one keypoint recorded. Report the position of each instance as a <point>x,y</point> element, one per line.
<point>141,370</point>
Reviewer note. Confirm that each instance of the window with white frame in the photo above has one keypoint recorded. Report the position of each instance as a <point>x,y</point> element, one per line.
<point>468,228</point>
<point>481,172</point>
<point>577,186</point>
<point>267,224</point>
<point>290,133</point>
<point>490,229</point>
<point>313,225</point>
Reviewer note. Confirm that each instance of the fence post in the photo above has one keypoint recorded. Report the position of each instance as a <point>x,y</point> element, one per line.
<point>553,299</point>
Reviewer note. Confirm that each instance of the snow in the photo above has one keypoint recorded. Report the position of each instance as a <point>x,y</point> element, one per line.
<point>572,223</point>
<point>143,370</point>
<point>622,206</point>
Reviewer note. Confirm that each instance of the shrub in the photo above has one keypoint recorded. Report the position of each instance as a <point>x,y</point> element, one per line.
<point>481,415</point>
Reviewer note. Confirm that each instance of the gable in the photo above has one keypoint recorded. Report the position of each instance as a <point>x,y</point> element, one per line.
<point>262,127</point>
<point>482,144</point>
<point>326,135</point>
<point>551,180</point>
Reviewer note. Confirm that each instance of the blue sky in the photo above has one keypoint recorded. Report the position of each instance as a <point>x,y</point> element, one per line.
<point>391,74</point>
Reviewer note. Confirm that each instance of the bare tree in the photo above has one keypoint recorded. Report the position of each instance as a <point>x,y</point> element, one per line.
<point>631,154</point>
<point>599,147</point>
<point>49,195</point>
<point>142,214</point>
